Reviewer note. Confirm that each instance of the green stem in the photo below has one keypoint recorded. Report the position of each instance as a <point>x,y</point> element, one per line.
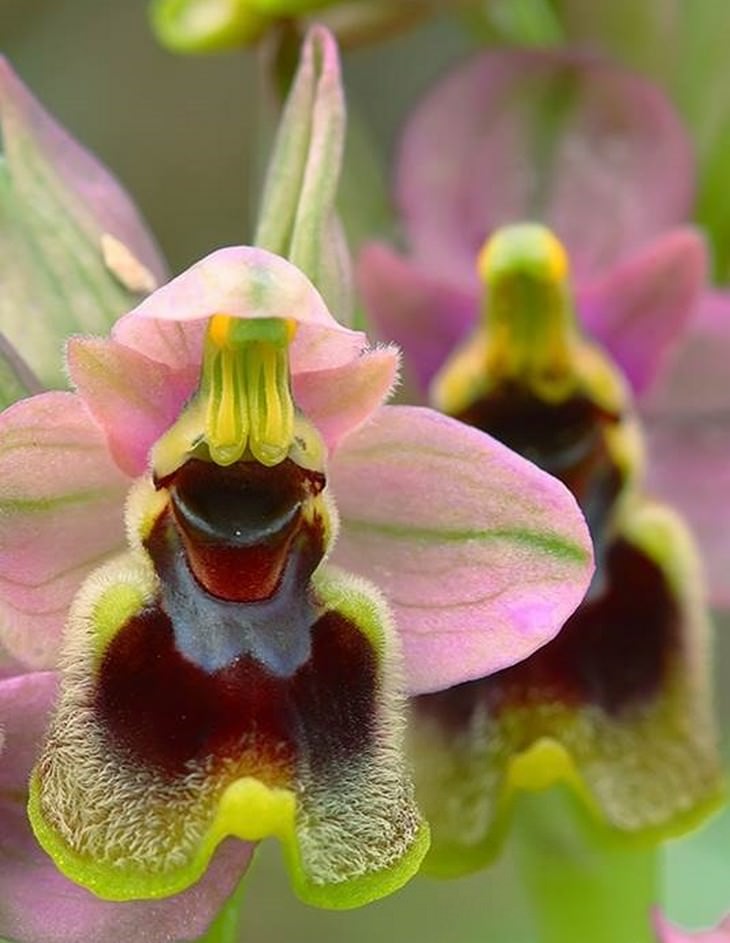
<point>582,885</point>
<point>226,928</point>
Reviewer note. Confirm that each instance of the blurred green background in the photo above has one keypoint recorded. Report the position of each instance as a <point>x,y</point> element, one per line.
<point>181,135</point>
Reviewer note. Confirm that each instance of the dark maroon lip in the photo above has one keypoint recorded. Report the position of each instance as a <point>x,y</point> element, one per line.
<point>166,712</point>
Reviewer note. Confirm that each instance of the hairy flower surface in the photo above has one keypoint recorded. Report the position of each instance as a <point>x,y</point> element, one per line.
<point>618,705</point>
<point>250,561</point>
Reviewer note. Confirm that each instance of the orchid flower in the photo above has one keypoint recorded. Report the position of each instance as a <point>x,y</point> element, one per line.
<point>247,561</point>
<point>618,705</point>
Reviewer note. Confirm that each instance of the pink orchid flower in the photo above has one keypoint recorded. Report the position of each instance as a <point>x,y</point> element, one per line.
<point>618,705</point>
<point>245,560</point>
<point>667,933</point>
<point>599,156</point>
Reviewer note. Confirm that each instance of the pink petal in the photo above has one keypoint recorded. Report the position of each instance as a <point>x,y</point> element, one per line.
<point>694,381</point>
<point>134,399</point>
<point>39,905</point>
<point>242,282</point>
<point>61,514</point>
<point>481,555</point>
<point>339,400</point>
<point>595,152</point>
<point>687,421</point>
<point>689,468</point>
<point>640,310</point>
<point>667,933</point>
<point>426,316</point>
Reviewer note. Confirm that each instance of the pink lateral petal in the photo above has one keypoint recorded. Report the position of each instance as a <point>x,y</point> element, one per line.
<point>39,905</point>
<point>481,555</point>
<point>687,420</point>
<point>689,468</point>
<point>640,310</point>
<point>591,150</point>
<point>134,399</point>
<point>93,196</point>
<point>426,316</point>
<point>667,933</point>
<point>340,400</point>
<point>61,515</point>
<point>694,382</point>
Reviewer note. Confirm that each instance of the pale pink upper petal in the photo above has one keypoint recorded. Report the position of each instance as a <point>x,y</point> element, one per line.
<point>339,400</point>
<point>134,399</point>
<point>481,555</point>
<point>242,282</point>
<point>421,312</point>
<point>594,152</point>
<point>667,933</point>
<point>37,903</point>
<point>641,308</point>
<point>61,514</point>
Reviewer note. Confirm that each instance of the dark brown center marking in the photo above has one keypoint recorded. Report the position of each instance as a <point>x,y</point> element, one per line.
<point>166,712</point>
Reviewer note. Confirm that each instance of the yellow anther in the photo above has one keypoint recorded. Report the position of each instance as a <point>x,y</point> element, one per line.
<point>526,249</point>
<point>244,406</point>
<point>245,385</point>
<point>219,329</point>
<point>291,329</point>
<point>528,312</point>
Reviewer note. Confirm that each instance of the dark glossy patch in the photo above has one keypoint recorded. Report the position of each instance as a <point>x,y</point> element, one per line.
<point>566,439</point>
<point>211,631</point>
<point>615,652</point>
<point>166,712</point>
<point>238,522</point>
